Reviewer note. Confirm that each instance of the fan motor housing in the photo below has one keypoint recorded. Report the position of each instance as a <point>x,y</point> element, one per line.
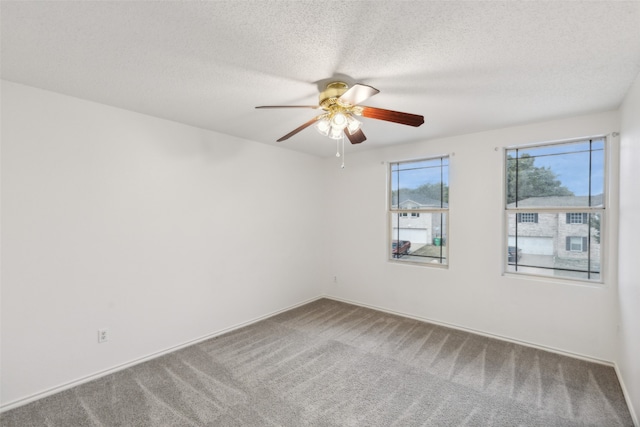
<point>333,91</point>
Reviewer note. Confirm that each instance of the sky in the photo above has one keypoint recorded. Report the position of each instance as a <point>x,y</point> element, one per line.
<point>569,162</point>
<point>415,174</point>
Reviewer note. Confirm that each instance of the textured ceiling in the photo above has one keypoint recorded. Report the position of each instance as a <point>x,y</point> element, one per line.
<point>465,66</point>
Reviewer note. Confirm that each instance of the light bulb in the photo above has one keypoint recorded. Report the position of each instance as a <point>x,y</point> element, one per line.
<point>353,124</point>
<point>339,120</point>
<point>323,126</point>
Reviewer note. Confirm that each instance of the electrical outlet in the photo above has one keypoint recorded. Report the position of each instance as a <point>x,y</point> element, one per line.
<point>103,335</point>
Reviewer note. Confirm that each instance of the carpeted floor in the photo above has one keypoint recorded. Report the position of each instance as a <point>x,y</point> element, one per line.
<point>333,364</point>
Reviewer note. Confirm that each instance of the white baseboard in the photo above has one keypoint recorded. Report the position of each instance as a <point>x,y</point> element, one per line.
<point>476,332</point>
<point>37,396</point>
<point>634,417</point>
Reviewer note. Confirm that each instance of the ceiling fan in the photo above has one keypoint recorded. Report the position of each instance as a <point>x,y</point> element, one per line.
<point>340,105</point>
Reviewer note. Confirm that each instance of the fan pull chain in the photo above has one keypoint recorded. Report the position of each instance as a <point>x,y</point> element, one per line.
<point>342,151</point>
<point>338,147</point>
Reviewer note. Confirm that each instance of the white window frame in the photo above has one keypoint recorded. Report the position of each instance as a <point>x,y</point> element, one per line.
<point>591,210</point>
<point>414,213</point>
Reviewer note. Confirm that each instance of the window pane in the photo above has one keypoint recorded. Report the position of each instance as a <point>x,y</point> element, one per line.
<point>420,184</point>
<point>554,246</point>
<point>560,175</point>
<point>419,239</point>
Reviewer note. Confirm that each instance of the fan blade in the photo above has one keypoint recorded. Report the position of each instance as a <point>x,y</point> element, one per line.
<point>357,93</point>
<point>357,137</point>
<point>392,116</point>
<point>289,106</point>
<point>298,129</point>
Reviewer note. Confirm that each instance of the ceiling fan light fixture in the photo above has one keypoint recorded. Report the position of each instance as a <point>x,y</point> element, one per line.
<point>333,124</point>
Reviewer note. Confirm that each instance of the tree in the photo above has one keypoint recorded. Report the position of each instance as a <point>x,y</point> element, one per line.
<point>533,181</point>
<point>432,191</point>
<point>428,191</point>
<point>595,224</point>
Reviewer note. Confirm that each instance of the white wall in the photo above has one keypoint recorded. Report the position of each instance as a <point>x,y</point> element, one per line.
<point>165,233</point>
<point>472,293</point>
<point>629,270</point>
<point>160,232</point>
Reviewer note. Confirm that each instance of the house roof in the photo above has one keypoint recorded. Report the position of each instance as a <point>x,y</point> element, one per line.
<point>417,199</point>
<point>465,66</point>
<point>559,201</point>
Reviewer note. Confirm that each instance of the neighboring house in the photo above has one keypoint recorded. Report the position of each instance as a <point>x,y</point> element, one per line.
<point>420,228</point>
<point>563,235</point>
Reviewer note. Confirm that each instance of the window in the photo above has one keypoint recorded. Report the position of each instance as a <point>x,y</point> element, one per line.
<point>418,211</point>
<point>528,217</point>
<point>554,207</point>
<point>577,218</point>
<point>577,244</point>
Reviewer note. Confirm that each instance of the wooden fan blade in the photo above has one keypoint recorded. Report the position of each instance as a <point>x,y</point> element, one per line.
<point>357,137</point>
<point>298,129</point>
<point>358,93</point>
<point>392,116</point>
<point>289,106</point>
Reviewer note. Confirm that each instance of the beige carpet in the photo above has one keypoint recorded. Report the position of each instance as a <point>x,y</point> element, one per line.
<point>333,364</point>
